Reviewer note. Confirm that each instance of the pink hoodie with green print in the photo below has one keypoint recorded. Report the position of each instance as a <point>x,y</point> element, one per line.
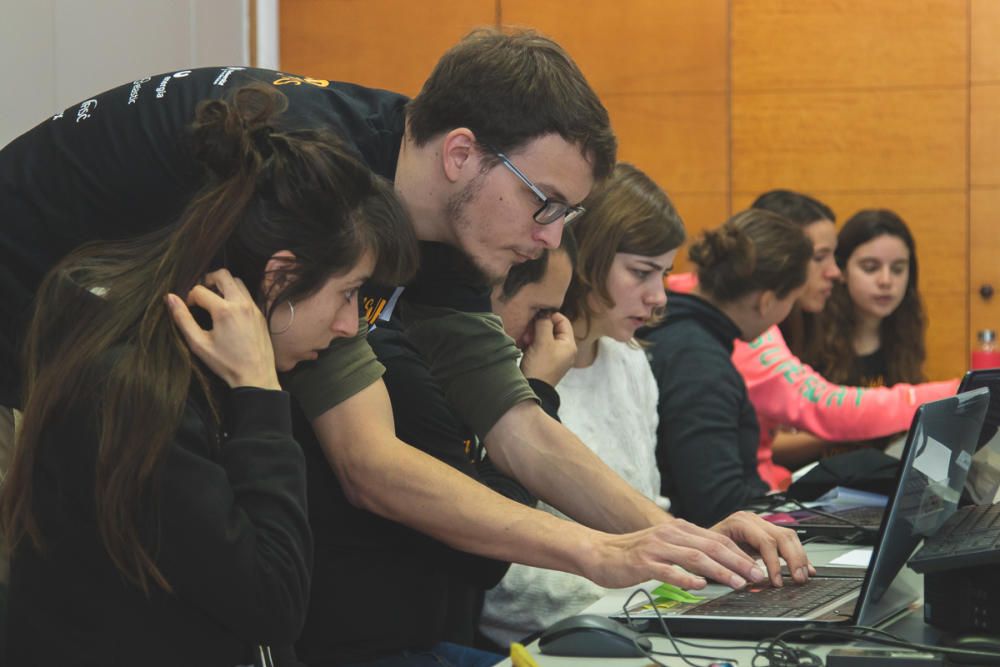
<point>786,392</point>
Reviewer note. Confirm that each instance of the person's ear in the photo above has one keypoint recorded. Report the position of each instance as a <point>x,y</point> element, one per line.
<point>766,301</point>
<point>276,274</point>
<point>459,153</point>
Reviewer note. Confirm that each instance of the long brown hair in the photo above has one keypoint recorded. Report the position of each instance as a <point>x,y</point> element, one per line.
<point>901,334</point>
<point>103,348</point>
<point>628,212</point>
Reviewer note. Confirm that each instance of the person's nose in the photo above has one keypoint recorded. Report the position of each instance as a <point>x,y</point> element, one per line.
<point>345,321</point>
<point>549,235</point>
<point>657,296</point>
<point>885,276</point>
<point>833,271</point>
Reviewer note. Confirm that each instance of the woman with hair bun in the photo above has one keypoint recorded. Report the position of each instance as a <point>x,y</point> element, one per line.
<point>750,272</point>
<point>156,501</point>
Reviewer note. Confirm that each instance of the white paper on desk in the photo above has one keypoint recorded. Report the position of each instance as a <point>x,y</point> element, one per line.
<point>854,558</point>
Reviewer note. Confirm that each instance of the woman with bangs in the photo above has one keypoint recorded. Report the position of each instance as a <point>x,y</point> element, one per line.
<point>156,501</point>
<point>626,243</point>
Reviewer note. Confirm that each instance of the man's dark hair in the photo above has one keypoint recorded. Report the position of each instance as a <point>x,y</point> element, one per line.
<point>509,89</point>
<point>534,270</point>
<point>794,206</point>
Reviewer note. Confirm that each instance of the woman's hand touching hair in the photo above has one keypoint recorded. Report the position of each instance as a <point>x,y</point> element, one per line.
<point>238,346</point>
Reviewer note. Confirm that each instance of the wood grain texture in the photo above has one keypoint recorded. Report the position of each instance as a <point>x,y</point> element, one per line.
<point>679,140</point>
<point>984,32</point>
<point>844,44</point>
<point>391,44</point>
<point>636,46</point>
<point>860,140</point>
<point>984,130</point>
<point>699,212</point>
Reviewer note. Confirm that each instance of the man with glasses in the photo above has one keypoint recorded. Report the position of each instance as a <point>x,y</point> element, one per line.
<point>116,165</point>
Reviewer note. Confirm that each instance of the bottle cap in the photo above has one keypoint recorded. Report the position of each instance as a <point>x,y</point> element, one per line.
<point>986,335</point>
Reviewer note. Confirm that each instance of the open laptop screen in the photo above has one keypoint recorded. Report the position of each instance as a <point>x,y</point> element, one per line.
<point>943,437</point>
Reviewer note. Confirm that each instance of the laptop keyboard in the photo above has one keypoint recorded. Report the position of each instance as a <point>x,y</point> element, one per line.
<point>866,516</point>
<point>971,536</point>
<point>768,602</point>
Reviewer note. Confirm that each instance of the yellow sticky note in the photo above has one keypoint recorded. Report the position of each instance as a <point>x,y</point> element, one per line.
<point>520,657</point>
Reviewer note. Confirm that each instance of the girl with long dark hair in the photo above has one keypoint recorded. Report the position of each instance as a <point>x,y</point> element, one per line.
<point>155,504</point>
<point>873,327</point>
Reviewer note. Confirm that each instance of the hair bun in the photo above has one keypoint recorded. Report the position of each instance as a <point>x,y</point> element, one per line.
<point>230,135</point>
<point>725,247</point>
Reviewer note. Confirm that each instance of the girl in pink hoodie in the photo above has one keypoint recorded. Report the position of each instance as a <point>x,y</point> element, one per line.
<point>786,392</point>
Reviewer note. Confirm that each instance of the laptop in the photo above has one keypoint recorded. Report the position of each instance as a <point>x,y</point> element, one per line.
<point>860,525</point>
<point>934,465</point>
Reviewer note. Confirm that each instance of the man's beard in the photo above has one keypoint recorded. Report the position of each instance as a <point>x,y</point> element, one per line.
<point>458,220</point>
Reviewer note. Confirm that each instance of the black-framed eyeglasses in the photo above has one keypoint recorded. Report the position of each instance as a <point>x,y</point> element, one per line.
<point>551,209</point>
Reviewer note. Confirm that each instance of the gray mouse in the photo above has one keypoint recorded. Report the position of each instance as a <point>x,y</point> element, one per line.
<point>593,636</point>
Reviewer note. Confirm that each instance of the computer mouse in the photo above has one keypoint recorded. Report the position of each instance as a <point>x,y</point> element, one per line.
<point>593,636</point>
<point>989,645</point>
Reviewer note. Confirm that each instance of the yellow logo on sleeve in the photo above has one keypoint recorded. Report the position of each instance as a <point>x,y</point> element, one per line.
<point>289,80</point>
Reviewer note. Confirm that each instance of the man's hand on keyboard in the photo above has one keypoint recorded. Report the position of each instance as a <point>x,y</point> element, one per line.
<point>771,542</point>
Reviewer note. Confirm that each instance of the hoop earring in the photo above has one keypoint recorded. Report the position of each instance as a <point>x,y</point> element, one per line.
<point>291,319</point>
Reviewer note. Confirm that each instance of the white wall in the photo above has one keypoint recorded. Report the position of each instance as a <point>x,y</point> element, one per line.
<point>58,52</point>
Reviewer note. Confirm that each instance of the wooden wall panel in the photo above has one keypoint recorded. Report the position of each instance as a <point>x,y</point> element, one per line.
<point>860,102</point>
<point>636,46</point>
<point>390,44</point>
<point>679,140</point>
<point>984,252</point>
<point>810,44</point>
<point>984,128</point>
<point>852,140</point>
<point>984,18</point>
<point>699,212</point>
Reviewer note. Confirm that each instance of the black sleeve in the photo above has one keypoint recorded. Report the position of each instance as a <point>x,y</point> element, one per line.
<point>698,436</point>
<point>234,533</point>
<point>548,397</point>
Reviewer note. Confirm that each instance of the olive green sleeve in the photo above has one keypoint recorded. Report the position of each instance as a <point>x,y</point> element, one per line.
<point>343,369</point>
<point>472,359</point>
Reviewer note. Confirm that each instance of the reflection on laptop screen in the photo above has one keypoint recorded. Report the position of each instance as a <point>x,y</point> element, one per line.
<point>944,437</point>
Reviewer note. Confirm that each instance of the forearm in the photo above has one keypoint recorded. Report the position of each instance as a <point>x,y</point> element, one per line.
<point>388,477</point>
<point>795,449</point>
<point>557,467</point>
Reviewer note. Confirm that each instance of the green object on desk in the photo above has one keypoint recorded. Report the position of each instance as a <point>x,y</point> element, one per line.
<point>675,593</point>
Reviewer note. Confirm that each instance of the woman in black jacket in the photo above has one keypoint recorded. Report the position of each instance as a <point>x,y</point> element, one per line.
<point>156,501</point>
<point>750,271</point>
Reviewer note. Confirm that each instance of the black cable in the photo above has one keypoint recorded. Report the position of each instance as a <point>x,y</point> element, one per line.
<point>876,636</point>
<point>666,632</point>
<point>836,517</point>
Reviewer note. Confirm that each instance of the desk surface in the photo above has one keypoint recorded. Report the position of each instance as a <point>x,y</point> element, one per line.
<point>909,625</point>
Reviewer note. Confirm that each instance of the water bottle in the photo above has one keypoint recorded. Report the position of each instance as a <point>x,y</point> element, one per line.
<point>986,354</point>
